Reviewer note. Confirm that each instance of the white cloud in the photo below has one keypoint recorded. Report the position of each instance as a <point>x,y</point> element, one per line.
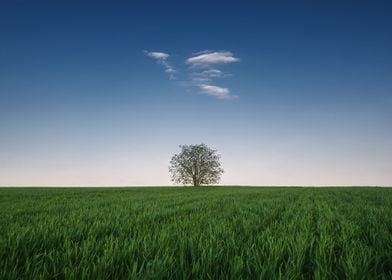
<point>213,72</point>
<point>209,58</point>
<point>157,55</point>
<point>162,58</point>
<point>206,75</point>
<point>202,70</point>
<point>170,69</point>
<point>199,79</point>
<point>201,52</point>
<point>220,92</point>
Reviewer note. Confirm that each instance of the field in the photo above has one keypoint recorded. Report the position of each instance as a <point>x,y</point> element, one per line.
<point>205,233</point>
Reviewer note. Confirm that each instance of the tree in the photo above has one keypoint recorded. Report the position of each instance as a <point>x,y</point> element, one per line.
<point>197,165</point>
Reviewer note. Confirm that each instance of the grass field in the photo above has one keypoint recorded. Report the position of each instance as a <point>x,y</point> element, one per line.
<point>208,233</point>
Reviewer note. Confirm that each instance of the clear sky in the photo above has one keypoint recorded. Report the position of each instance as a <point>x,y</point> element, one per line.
<point>103,92</point>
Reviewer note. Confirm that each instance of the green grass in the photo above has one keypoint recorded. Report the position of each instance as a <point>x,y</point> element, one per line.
<point>205,233</point>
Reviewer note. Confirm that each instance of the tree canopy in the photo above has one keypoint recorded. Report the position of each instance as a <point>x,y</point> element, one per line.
<point>197,165</point>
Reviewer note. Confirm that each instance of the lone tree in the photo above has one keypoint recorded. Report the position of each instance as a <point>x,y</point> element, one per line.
<point>197,165</point>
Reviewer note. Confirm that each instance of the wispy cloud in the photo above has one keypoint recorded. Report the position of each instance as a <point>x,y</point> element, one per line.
<point>208,58</point>
<point>157,55</point>
<point>202,71</point>
<point>162,58</point>
<point>214,73</point>
<point>207,75</point>
<point>219,92</point>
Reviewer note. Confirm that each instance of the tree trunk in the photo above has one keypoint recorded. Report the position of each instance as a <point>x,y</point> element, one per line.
<point>194,181</point>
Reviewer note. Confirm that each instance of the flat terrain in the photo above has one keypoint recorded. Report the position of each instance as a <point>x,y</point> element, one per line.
<point>216,233</point>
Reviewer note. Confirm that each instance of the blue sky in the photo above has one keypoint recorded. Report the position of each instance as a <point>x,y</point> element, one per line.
<point>103,92</point>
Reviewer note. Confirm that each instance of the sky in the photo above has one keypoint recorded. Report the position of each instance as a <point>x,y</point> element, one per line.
<point>101,93</point>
